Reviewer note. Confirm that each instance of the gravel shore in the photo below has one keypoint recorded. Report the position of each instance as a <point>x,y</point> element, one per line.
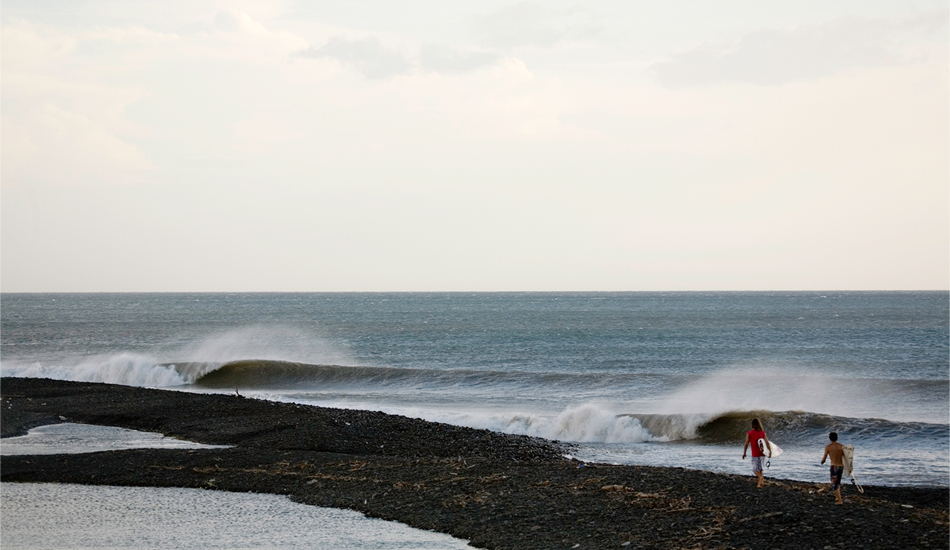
<point>498,491</point>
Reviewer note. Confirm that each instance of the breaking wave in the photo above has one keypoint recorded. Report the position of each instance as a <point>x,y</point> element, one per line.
<point>265,374</point>
<point>589,421</point>
<point>128,369</point>
<point>592,423</point>
<point>788,426</point>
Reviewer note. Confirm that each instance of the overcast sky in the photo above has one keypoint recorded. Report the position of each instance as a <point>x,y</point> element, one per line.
<point>492,145</point>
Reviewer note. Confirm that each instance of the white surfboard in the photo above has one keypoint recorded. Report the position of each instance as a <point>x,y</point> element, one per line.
<point>776,450</point>
<point>847,460</point>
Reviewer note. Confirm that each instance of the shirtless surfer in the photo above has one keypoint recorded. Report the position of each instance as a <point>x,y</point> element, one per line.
<point>835,451</point>
<point>752,437</point>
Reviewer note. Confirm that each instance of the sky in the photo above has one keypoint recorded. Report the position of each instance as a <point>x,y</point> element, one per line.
<point>474,146</point>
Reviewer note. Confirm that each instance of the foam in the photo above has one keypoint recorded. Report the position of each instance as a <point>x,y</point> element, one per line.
<point>188,363</point>
<point>586,423</point>
<point>128,369</point>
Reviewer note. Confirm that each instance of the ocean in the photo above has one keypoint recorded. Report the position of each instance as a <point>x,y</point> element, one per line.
<point>656,378</point>
<point>56,516</point>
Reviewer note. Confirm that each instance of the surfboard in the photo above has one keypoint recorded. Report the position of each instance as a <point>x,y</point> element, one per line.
<point>776,450</point>
<point>847,460</point>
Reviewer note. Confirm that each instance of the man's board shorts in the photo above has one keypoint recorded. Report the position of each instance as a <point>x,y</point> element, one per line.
<point>836,472</point>
<point>757,462</point>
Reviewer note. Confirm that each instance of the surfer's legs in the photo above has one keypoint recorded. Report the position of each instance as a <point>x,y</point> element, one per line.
<point>757,469</point>
<point>836,472</point>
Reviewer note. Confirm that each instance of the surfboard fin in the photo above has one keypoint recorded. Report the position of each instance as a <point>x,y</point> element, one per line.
<point>855,483</point>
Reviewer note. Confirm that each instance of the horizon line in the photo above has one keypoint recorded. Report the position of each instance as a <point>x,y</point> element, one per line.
<point>454,291</point>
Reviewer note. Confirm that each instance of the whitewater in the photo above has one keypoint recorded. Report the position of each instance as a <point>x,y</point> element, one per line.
<point>669,379</point>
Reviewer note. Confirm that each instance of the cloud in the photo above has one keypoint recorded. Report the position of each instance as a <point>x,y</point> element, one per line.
<point>775,57</point>
<point>262,133</point>
<point>367,55</point>
<point>54,145</point>
<point>527,24</point>
<point>237,35</point>
<point>62,128</point>
<point>370,57</point>
<point>235,21</point>
<point>443,59</point>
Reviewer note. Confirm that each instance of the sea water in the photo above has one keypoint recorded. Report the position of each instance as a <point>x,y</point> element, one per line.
<point>51,516</point>
<point>69,438</point>
<point>652,378</point>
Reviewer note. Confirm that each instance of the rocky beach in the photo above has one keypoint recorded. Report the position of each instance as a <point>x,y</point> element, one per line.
<point>498,491</point>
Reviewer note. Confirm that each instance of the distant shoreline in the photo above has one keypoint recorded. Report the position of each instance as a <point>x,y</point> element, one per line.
<point>437,292</point>
<point>496,490</point>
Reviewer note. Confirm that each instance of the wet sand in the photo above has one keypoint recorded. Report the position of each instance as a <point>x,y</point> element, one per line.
<point>498,491</point>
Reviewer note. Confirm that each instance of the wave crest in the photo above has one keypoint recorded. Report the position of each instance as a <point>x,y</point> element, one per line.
<point>268,374</point>
<point>787,426</point>
<point>586,423</point>
<point>124,368</point>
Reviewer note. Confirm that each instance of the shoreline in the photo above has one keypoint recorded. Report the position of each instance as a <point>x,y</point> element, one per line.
<point>496,490</point>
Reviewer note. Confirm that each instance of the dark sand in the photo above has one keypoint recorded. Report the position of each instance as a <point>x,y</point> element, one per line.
<point>496,490</point>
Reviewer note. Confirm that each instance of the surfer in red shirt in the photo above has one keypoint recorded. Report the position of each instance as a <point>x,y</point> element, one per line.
<point>752,437</point>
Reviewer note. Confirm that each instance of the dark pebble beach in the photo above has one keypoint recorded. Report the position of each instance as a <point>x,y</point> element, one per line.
<point>498,491</point>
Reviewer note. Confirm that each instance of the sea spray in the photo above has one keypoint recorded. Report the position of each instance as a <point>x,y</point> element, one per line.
<point>273,342</point>
<point>769,387</point>
<point>124,368</point>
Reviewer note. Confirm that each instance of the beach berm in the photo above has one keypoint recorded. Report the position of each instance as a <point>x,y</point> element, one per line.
<point>498,491</point>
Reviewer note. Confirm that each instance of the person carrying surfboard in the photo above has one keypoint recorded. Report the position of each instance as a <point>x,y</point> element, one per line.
<point>835,451</point>
<point>752,438</point>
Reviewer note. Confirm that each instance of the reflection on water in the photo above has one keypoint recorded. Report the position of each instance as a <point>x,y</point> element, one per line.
<point>71,438</point>
<point>54,516</point>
